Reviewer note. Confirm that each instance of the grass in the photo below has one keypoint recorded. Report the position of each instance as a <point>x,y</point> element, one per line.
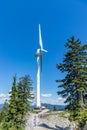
<point>60,113</point>
<point>35,111</point>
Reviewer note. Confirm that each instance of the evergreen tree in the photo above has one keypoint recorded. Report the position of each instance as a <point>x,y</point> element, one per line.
<point>13,103</point>
<point>4,111</point>
<point>75,82</point>
<point>19,104</point>
<point>25,93</point>
<point>13,119</point>
<point>10,120</point>
<point>55,108</point>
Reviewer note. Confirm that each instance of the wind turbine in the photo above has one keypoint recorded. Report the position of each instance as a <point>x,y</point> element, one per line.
<point>38,55</point>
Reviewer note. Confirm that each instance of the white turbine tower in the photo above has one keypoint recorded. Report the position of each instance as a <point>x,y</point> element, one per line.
<point>39,67</point>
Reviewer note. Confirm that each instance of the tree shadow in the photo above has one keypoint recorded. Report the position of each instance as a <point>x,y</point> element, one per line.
<point>52,128</point>
<point>46,126</point>
<point>61,128</point>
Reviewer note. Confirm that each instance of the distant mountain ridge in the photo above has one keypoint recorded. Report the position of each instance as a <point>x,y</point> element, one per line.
<point>51,107</point>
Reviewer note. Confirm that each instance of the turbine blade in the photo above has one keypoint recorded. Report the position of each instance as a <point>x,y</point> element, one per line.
<point>43,50</point>
<point>40,38</point>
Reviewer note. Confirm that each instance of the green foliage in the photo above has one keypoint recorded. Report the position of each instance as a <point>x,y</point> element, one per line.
<point>19,103</point>
<point>74,85</point>
<point>79,115</point>
<point>25,93</point>
<point>63,114</point>
<point>55,108</point>
<point>4,111</point>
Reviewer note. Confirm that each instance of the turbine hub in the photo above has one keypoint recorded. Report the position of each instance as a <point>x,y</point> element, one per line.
<point>38,53</point>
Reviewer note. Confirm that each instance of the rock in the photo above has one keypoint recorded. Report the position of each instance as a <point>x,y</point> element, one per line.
<point>85,127</point>
<point>55,121</point>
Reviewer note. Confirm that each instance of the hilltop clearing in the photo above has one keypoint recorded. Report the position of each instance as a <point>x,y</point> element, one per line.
<point>47,120</point>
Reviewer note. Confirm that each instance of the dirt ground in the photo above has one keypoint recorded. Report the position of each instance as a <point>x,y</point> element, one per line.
<point>40,128</point>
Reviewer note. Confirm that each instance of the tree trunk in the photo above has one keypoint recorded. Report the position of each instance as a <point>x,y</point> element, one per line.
<point>81,99</point>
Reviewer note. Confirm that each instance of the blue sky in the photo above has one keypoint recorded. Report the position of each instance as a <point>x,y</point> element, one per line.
<point>59,19</point>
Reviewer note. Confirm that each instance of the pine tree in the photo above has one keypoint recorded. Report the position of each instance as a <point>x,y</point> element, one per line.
<point>10,118</point>
<point>13,119</point>
<point>18,106</point>
<point>13,103</point>
<point>4,111</point>
<point>75,82</point>
<point>25,93</point>
<point>55,108</point>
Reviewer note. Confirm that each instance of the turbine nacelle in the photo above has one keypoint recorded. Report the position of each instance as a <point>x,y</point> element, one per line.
<point>39,52</point>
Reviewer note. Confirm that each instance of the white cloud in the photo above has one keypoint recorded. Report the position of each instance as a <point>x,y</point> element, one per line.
<point>3,97</point>
<point>54,101</point>
<point>46,95</point>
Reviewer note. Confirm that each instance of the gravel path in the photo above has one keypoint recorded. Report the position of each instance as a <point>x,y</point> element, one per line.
<point>40,128</point>
<point>37,128</point>
<point>51,122</point>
